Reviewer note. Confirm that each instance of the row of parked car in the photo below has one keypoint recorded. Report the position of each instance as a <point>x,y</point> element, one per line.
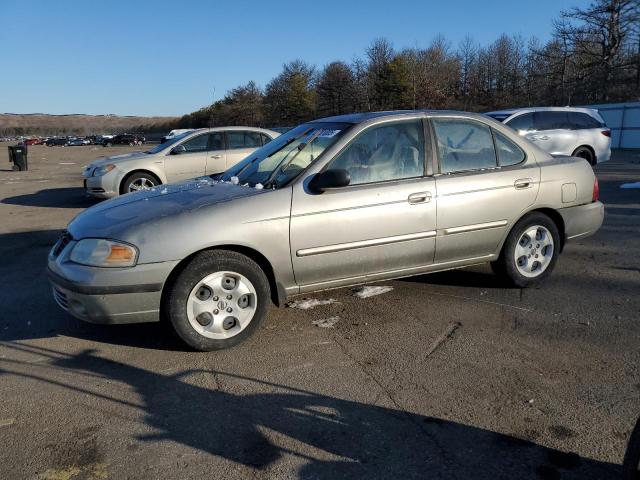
<point>130,139</point>
<point>185,154</point>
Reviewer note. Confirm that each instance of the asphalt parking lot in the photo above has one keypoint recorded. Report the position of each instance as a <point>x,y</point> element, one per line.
<point>450,375</point>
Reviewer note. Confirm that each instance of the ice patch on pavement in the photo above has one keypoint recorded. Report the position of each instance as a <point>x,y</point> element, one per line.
<point>5,422</point>
<point>630,185</point>
<point>326,322</point>
<point>309,303</point>
<point>370,291</point>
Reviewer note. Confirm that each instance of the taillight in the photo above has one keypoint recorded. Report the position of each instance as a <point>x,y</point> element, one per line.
<point>606,133</point>
<point>596,191</point>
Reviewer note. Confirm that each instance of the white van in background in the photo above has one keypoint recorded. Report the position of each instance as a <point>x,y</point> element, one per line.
<point>174,133</point>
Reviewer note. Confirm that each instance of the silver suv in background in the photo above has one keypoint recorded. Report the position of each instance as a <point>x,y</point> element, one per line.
<point>579,132</point>
<point>194,153</point>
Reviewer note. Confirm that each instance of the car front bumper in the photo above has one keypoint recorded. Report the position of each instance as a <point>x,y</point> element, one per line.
<point>104,186</point>
<point>108,295</point>
<point>582,220</point>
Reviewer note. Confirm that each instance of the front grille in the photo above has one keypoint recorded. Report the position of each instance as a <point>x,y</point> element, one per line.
<point>63,242</point>
<point>61,298</point>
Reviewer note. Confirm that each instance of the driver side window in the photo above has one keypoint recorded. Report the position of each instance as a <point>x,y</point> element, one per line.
<point>386,152</point>
<point>197,144</point>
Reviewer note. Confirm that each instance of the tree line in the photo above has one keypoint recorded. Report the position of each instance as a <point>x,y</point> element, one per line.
<point>593,56</point>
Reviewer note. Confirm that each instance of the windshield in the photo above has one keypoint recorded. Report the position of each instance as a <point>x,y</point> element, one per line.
<point>168,143</point>
<point>283,158</point>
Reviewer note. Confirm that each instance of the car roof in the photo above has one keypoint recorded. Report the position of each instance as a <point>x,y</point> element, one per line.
<point>231,128</point>
<point>366,116</point>
<point>513,111</point>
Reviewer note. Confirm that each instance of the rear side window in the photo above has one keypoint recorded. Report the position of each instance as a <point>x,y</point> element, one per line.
<point>581,121</point>
<point>243,139</point>
<point>508,152</point>
<point>464,145</point>
<point>522,122</point>
<point>551,121</point>
<point>265,138</point>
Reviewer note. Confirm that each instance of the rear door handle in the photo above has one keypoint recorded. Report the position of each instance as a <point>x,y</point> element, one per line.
<point>522,183</point>
<point>419,197</point>
<point>216,156</point>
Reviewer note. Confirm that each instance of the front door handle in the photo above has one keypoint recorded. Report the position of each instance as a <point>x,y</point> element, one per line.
<point>419,197</point>
<point>216,156</point>
<point>522,183</point>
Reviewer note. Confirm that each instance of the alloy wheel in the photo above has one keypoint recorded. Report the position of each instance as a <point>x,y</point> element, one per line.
<point>141,184</point>
<point>534,251</point>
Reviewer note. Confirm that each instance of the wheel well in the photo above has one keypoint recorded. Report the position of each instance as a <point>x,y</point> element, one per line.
<point>277,294</point>
<point>133,172</point>
<point>588,147</point>
<point>557,219</point>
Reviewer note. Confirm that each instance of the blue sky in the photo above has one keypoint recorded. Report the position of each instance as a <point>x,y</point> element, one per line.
<point>166,58</point>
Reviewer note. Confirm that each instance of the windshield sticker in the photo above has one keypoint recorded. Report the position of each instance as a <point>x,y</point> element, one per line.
<point>328,133</point>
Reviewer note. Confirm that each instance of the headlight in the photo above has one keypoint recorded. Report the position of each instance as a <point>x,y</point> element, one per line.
<point>99,171</point>
<point>97,252</point>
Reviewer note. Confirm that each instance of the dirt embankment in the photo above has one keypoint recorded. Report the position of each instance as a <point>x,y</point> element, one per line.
<point>43,124</point>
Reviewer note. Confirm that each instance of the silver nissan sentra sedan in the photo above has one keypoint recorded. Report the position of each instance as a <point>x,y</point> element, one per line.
<point>334,202</point>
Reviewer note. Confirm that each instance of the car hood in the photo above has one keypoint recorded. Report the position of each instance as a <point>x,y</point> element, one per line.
<point>113,218</point>
<point>117,158</point>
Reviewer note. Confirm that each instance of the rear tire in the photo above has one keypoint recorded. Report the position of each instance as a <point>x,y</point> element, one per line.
<point>218,300</point>
<point>586,153</point>
<point>530,251</point>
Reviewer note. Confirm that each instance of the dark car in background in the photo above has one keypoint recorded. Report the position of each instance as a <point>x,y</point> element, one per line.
<point>124,139</point>
<point>57,142</point>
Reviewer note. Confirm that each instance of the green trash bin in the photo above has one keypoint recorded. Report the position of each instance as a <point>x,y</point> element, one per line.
<point>18,156</point>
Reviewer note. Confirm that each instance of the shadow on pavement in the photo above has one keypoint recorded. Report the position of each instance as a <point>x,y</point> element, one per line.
<point>461,278</point>
<point>29,311</point>
<point>356,440</point>
<point>68,197</point>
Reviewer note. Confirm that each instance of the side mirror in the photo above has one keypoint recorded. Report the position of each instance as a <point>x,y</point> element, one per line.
<point>333,178</point>
<point>178,150</point>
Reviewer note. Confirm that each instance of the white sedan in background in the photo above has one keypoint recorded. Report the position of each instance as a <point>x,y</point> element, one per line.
<point>195,153</point>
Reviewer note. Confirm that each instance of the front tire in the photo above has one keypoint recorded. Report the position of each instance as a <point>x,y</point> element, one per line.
<point>138,181</point>
<point>218,300</point>
<point>530,252</point>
